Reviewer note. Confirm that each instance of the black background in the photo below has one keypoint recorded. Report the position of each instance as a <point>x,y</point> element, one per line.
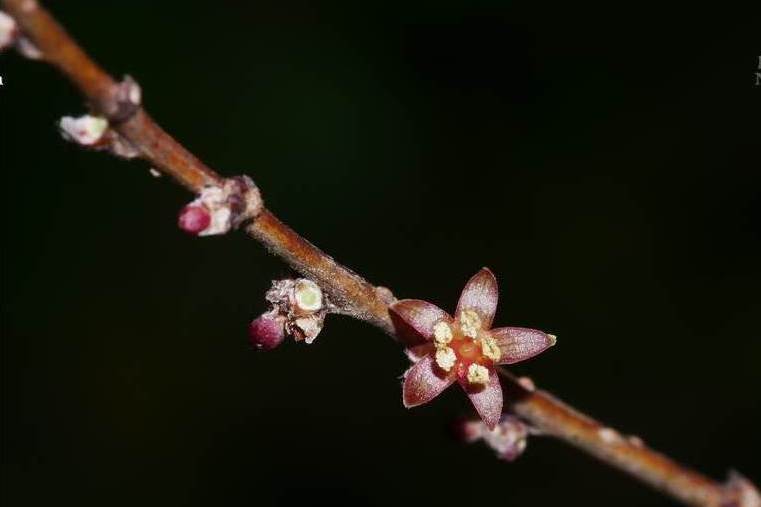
<point>601,159</point>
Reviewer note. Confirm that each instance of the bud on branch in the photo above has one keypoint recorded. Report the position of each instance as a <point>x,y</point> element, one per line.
<point>218,209</point>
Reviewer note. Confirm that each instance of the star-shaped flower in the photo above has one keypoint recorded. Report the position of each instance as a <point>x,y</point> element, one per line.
<point>464,348</point>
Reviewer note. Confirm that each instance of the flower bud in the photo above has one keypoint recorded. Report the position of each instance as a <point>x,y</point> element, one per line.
<point>508,439</point>
<point>267,331</point>
<point>193,219</point>
<point>86,130</point>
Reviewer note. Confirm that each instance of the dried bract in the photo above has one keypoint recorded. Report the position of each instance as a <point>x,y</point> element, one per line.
<point>302,304</point>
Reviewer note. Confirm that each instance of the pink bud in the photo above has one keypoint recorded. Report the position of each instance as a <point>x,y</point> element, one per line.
<point>267,331</point>
<point>194,219</point>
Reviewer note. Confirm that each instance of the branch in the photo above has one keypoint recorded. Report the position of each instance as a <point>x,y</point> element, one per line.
<point>349,292</point>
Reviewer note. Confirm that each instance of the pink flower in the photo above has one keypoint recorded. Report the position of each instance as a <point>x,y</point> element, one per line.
<point>464,348</point>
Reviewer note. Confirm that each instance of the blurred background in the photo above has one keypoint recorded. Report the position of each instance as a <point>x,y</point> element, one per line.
<point>603,160</point>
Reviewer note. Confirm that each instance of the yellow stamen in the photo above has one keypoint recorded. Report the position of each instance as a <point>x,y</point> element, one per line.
<point>470,323</point>
<point>442,333</point>
<point>445,358</point>
<point>489,348</point>
<point>478,374</point>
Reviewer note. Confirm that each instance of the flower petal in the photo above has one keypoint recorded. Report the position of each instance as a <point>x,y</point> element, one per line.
<point>414,320</point>
<point>486,399</point>
<point>423,382</point>
<point>480,294</point>
<point>520,343</point>
<point>417,352</point>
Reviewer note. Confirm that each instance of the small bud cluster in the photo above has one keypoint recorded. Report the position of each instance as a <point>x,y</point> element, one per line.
<point>218,209</point>
<point>298,308</point>
<point>10,36</point>
<point>301,302</point>
<point>508,439</point>
<point>94,132</point>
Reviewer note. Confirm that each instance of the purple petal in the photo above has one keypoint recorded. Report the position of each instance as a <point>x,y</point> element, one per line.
<point>414,320</point>
<point>480,294</point>
<point>423,382</point>
<point>486,399</point>
<point>418,352</point>
<point>520,343</point>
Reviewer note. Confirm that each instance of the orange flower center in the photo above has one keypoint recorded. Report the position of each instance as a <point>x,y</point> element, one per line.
<point>467,350</point>
<point>466,347</point>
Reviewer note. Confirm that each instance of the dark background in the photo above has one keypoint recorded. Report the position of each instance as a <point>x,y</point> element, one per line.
<point>602,159</point>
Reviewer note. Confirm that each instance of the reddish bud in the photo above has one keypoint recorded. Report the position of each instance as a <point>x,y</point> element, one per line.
<point>267,331</point>
<point>194,219</point>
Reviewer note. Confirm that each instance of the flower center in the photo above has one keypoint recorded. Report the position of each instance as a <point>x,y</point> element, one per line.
<point>465,346</point>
